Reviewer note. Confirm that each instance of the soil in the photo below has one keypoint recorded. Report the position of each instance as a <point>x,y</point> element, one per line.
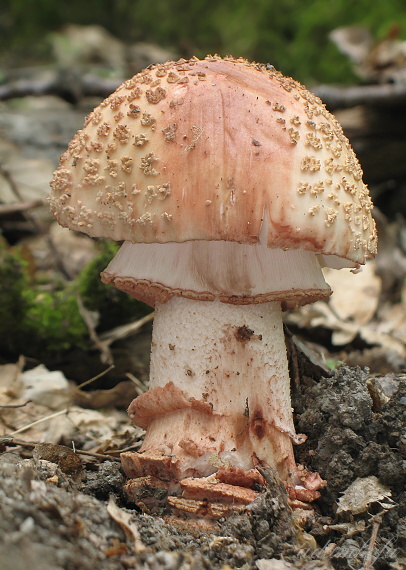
<point>54,509</point>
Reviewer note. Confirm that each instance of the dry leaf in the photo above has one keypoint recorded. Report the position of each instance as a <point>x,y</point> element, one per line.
<point>355,295</point>
<point>51,389</point>
<point>120,396</point>
<point>362,493</point>
<point>124,520</point>
<point>98,426</point>
<point>273,564</point>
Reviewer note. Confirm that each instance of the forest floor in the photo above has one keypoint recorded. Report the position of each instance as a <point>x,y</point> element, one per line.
<point>62,502</point>
<point>62,508</point>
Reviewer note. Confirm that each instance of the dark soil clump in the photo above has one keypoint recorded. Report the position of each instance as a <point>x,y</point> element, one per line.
<point>347,440</point>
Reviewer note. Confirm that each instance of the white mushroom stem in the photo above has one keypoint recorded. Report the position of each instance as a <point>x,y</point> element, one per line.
<point>219,390</point>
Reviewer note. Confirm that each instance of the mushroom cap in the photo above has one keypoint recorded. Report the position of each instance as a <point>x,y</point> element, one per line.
<point>208,149</point>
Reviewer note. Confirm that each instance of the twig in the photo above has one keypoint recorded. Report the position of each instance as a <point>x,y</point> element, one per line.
<point>376,523</point>
<point>98,455</point>
<point>125,330</point>
<point>40,421</point>
<point>13,406</point>
<point>123,449</point>
<point>105,354</point>
<point>10,441</point>
<point>95,377</point>
<point>141,388</point>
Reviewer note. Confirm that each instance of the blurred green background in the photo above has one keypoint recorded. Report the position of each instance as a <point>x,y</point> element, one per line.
<point>290,34</point>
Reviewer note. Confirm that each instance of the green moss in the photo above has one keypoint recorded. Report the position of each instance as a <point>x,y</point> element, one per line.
<point>35,322</point>
<point>114,306</point>
<point>55,322</point>
<point>14,304</point>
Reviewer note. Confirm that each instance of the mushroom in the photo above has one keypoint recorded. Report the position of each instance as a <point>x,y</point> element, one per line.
<point>231,186</point>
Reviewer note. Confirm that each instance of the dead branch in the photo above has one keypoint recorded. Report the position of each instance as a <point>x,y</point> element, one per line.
<point>10,181</point>
<point>63,268</point>
<point>388,94</point>
<point>7,209</point>
<point>24,210</point>
<point>68,85</point>
<point>72,86</point>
